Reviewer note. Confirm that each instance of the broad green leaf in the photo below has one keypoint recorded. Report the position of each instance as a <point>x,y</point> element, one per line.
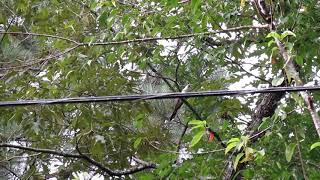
<point>236,161</point>
<point>230,146</point>
<point>273,35</point>
<point>277,81</point>
<point>197,138</point>
<point>289,151</point>
<point>270,43</point>
<point>137,142</point>
<point>265,123</point>
<point>287,33</point>
<point>197,122</point>
<point>299,60</point>
<point>289,46</point>
<point>138,122</point>
<point>197,127</point>
<point>314,145</point>
<point>233,140</point>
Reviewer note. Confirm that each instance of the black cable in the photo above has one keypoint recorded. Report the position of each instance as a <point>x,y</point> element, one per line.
<point>174,95</point>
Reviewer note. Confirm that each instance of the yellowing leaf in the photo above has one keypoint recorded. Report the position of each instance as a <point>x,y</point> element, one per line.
<point>242,3</point>
<point>113,3</point>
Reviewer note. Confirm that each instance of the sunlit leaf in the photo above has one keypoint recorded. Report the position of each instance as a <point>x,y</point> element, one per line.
<point>277,81</point>
<point>197,138</point>
<point>230,146</point>
<point>287,33</point>
<point>315,145</point>
<point>236,161</point>
<point>289,151</point>
<point>137,142</point>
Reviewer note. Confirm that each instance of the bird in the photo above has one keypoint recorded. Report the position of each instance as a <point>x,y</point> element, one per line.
<point>179,102</point>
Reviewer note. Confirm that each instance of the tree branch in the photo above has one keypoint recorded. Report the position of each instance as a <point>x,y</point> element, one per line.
<point>307,97</point>
<point>265,108</point>
<point>79,44</point>
<point>111,172</point>
<point>41,35</point>
<point>84,157</point>
<point>46,151</point>
<point>300,155</point>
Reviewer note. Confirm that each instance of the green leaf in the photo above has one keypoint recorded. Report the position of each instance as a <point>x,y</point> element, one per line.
<point>273,35</point>
<point>137,142</point>
<point>289,46</point>
<point>287,33</point>
<point>236,161</point>
<point>265,123</point>
<point>314,145</point>
<point>299,60</point>
<point>198,126</point>
<point>230,146</point>
<point>289,151</point>
<point>233,140</point>
<point>197,122</point>
<point>197,138</point>
<point>195,4</point>
<point>138,121</point>
<point>277,81</point>
<point>271,42</point>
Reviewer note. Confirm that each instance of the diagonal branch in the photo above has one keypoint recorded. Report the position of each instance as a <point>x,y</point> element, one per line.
<point>123,42</point>
<point>265,108</point>
<point>307,97</point>
<point>46,151</point>
<point>40,35</point>
<point>140,40</point>
<point>110,172</point>
<point>38,61</point>
<point>190,107</point>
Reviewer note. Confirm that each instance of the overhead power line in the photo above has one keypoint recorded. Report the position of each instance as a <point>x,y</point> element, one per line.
<point>121,98</point>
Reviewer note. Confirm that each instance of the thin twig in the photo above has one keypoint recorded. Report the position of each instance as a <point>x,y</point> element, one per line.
<point>47,151</point>
<point>247,72</point>
<point>38,61</point>
<point>189,153</point>
<point>111,172</point>
<point>78,44</point>
<point>38,34</point>
<point>300,155</point>
<point>176,37</point>
<point>142,39</point>
<point>11,171</point>
<point>7,30</point>
<point>307,97</point>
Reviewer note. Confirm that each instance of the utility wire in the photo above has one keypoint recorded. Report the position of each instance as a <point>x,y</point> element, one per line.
<point>120,98</point>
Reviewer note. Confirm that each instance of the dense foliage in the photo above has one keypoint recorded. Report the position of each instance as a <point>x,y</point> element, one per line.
<point>57,49</point>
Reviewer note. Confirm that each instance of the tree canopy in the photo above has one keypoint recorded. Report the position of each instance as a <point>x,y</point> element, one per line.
<point>52,49</point>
